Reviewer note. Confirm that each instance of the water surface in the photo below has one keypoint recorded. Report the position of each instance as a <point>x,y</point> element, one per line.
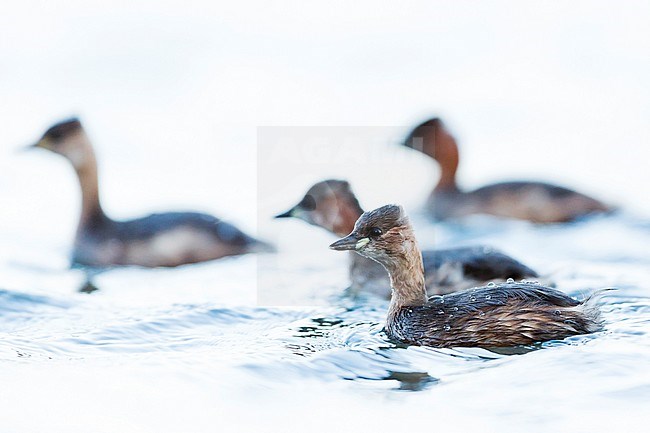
<point>151,348</point>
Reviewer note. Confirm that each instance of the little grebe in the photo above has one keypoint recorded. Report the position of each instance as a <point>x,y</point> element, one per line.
<point>496,315</point>
<point>332,205</point>
<point>167,239</point>
<point>534,201</point>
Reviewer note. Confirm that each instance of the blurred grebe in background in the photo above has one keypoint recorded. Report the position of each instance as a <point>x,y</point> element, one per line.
<point>332,205</point>
<point>496,315</point>
<point>534,201</point>
<point>165,239</point>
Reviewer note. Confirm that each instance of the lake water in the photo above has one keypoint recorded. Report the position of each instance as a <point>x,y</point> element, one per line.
<point>191,349</point>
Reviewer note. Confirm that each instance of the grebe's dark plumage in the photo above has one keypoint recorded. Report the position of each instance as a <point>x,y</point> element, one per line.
<point>534,201</point>
<point>507,314</point>
<point>167,239</point>
<point>496,315</point>
<point>332,205</point>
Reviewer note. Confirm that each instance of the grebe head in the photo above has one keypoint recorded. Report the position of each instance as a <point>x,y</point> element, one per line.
<point>329,204</point>
<point>432,138</point>
<point>379,234</point>
<point>67,138</point>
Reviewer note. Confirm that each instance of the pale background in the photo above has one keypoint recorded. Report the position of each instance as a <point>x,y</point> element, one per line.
<point>172,94</point>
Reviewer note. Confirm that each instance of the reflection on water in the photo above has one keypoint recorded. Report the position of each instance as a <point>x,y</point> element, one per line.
<point>198,327</point>
<point>412,381</point>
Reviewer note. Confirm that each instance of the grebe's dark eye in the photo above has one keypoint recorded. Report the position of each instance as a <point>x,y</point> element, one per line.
<point>375,232</point>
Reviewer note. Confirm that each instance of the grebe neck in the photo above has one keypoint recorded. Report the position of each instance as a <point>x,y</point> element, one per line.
<point>445,151</point>
<point>407,275</point>
<point>447,181</point>
<point>91,208</point>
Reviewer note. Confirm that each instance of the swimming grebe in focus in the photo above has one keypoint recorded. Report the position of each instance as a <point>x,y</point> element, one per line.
<point>332,205</point>
<point>166,239</point>
<point>496,315</point>
<point>534,201</point>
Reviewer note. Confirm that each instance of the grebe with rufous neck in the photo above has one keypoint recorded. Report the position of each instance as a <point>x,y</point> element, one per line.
<point>538,202</point>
